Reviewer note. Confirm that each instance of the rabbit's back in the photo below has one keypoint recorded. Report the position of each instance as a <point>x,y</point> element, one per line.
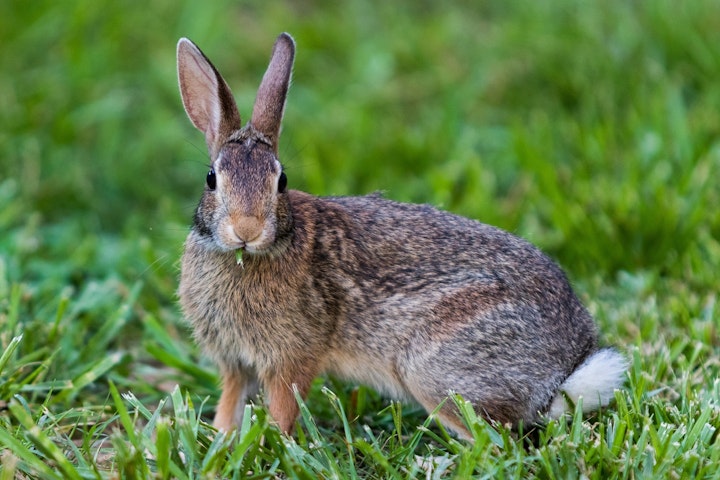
<point>391,256</point>
<point>434,298</point>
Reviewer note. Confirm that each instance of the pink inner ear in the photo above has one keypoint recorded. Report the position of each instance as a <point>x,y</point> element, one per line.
<point>206,97</point>
<point>198,88</point>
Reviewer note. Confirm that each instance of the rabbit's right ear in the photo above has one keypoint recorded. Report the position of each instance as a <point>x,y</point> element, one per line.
<point>269,105</point>
<point>207,99</point>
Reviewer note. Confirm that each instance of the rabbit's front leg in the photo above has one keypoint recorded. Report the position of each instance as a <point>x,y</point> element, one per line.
<point>239,385</point>
<point>283,406</point>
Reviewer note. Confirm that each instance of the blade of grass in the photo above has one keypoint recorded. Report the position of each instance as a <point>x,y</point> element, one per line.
<point>13,315</point>
<point>159,333</point>
<point>43,443</point>
<point>337,405</point>
<point>8,352</point>
<point>35,464</point>
<point>62,307</point>
<point>163,447</point>
<point>94,372</point>
<point>207,379</point>
<point>123,414</point>
<point>109,330</point>
<point>373,452</point>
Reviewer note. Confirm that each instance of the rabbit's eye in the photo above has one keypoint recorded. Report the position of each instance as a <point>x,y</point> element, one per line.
<point>211,181</point>
<point>282,182</point>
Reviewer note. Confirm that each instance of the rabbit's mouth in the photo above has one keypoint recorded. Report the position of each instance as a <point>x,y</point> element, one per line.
<point>261,243</point>
<point>253,247</point>
<point>248,239</point>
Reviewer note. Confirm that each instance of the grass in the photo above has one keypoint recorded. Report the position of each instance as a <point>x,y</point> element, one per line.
<point>590,128</point>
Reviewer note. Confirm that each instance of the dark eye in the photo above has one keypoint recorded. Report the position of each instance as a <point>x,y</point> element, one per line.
<point>282,182</point>
<point>211,181</point>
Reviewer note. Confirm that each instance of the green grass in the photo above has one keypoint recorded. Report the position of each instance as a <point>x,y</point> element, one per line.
<point>590,128</point>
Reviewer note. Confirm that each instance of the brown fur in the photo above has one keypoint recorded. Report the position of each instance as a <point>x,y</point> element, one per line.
<point>411,300</point>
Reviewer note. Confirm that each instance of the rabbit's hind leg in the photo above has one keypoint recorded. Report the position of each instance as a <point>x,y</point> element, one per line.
<point>494,409</point>
<point>497,394</point>
<point>447,415</point>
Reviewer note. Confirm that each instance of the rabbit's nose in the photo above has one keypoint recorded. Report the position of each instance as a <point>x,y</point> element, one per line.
<point>247,229</point>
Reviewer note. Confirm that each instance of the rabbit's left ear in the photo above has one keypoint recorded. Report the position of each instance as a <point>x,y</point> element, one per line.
<point>207,98</point>
<point>270,101</point>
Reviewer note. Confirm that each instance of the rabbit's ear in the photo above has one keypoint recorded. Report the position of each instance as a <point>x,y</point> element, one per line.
<point>270,101</point>
<point>207,99</point>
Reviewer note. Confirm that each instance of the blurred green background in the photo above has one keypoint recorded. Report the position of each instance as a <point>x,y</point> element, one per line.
<point>589,127</point>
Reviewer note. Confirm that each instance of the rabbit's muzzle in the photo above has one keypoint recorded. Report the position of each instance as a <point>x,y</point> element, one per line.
<point>246,229</point>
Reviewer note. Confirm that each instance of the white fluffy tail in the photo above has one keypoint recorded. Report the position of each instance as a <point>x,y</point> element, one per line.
<point>595,381</point>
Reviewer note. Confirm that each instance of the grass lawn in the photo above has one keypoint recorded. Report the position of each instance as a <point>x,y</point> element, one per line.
<point>590,128</point>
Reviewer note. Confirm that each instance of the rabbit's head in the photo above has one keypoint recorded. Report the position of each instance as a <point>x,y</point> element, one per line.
<point>245,204</point>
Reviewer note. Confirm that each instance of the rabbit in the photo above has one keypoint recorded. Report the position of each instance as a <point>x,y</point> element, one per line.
<point>281,286</point>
